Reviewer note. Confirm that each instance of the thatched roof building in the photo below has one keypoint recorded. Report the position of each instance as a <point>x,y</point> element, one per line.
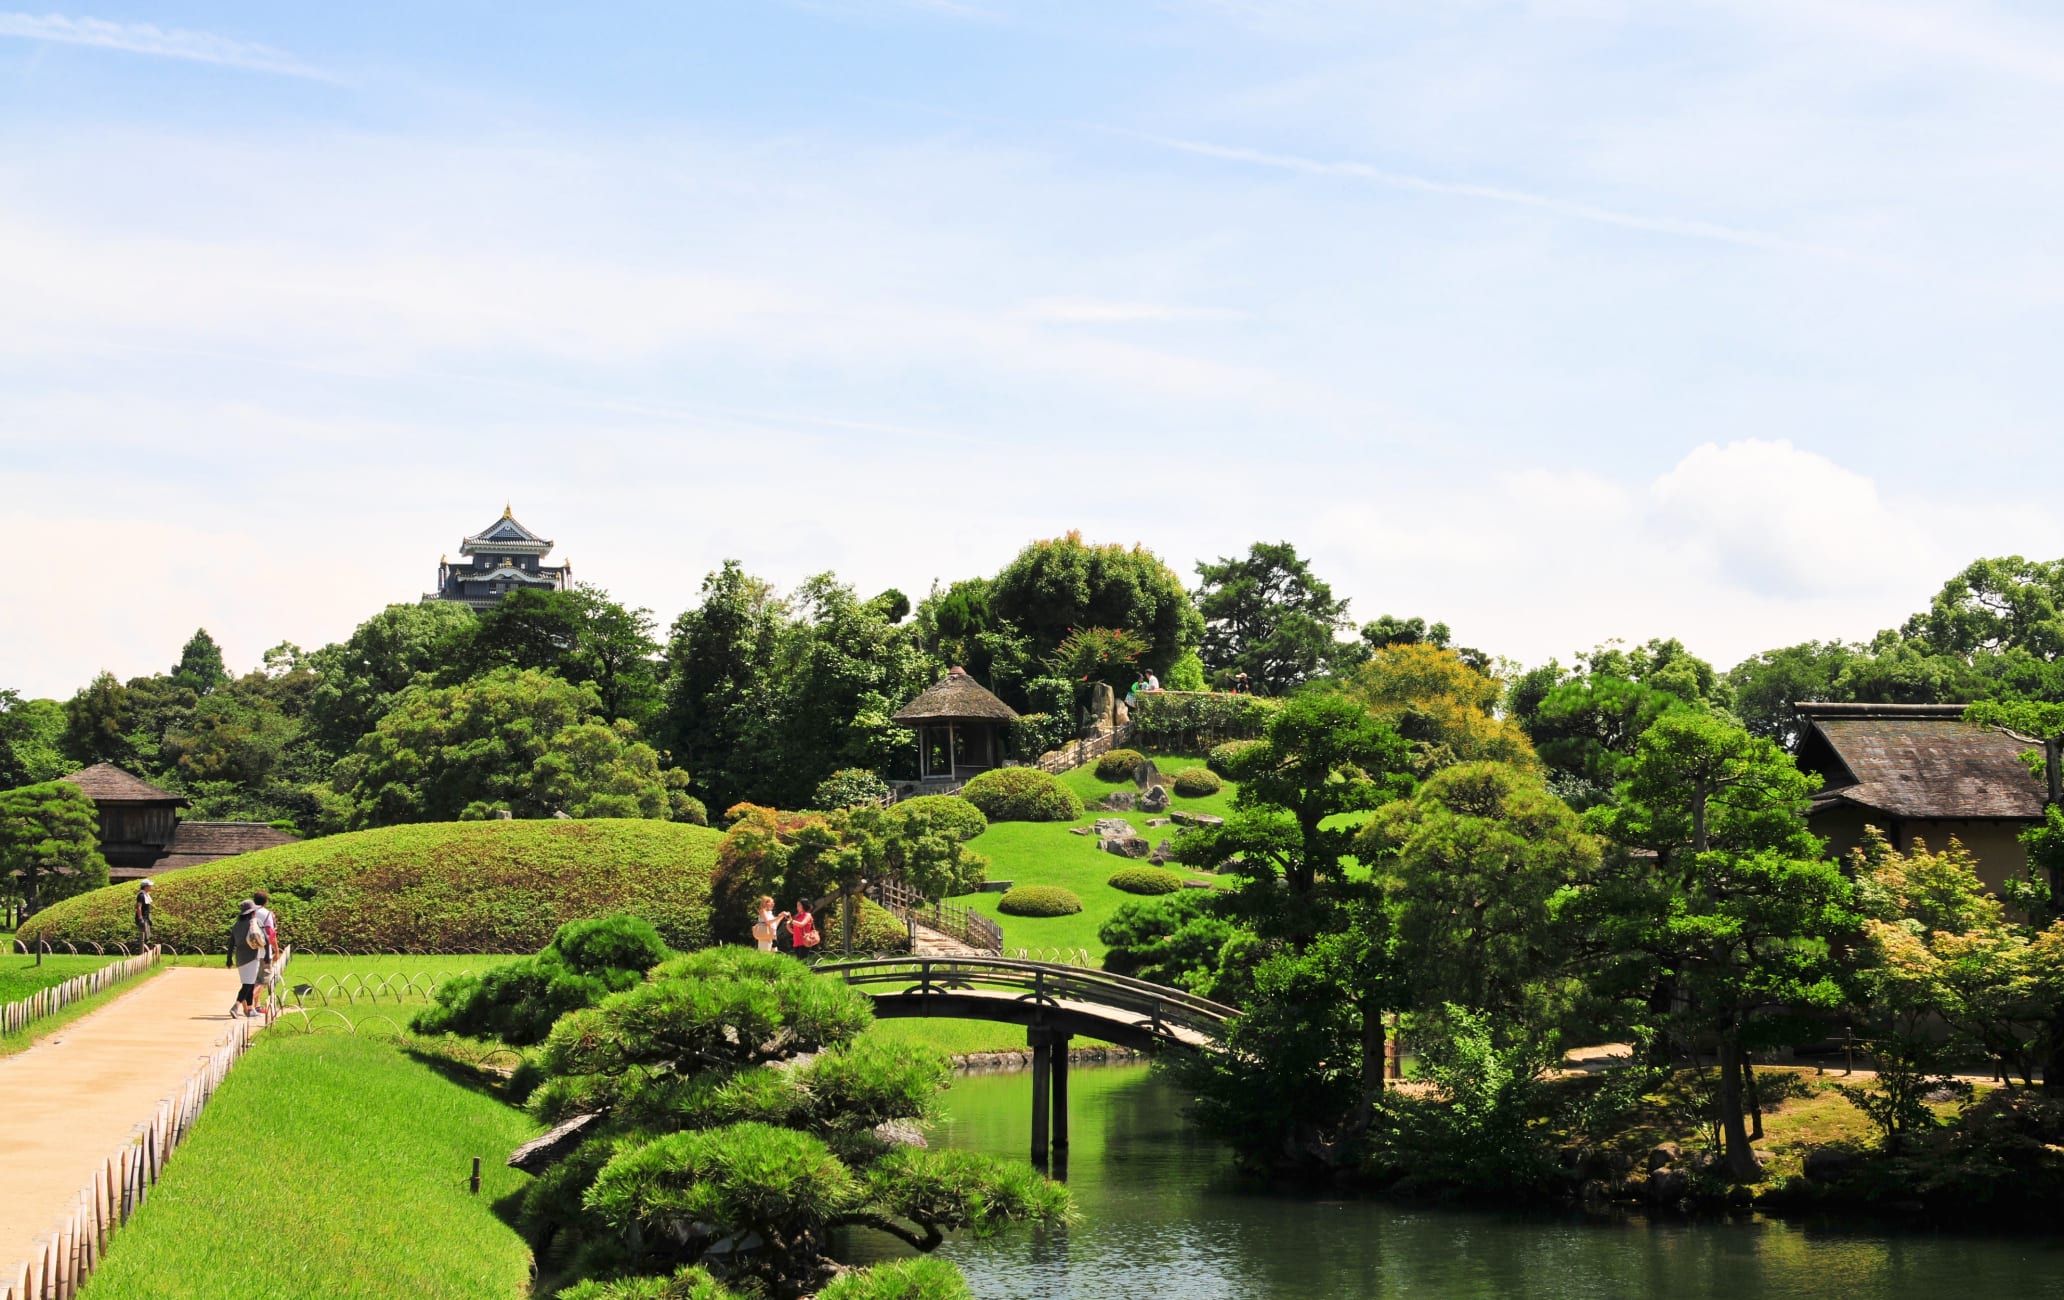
<point>1920,772</point>
<point>960,728</point>
<point>140,830</point>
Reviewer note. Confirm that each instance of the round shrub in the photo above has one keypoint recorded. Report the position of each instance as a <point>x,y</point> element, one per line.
<point>948,814</point>
<point>1145,880</point>
<point>1038,900</point>
<point>849,787</point>
<point>464,887</point>
<point>1196,782</point>
<point>1119,765</point>
<point>1022,794</point>
<point>1220,759</point>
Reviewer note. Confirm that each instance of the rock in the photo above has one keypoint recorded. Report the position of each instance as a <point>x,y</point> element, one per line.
<point>901,1132</point>
<point>1162,852</point>
<point>996,886</point>
<point>541,1153</point>
<point>1196,819</point>
<point>1144,775</point>
<point>1102,714</point>
<point>1107,827</point>
<point>1826,1164</point>
<point>1158,821</point>
<point>1125,846</point>
<point>1669,1153</point>
<point>1154,800</point>
<point>1668,1186</point>
<point>1081,830</point>
<point>1118,801</point>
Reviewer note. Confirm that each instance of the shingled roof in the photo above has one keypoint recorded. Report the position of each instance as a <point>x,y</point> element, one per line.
<point>197,842</point>
<point>1917,761</point>
<point>106,783</point>
<point>956,697</point>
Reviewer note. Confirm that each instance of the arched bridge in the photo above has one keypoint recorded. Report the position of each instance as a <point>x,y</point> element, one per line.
<point>1053,1002</point>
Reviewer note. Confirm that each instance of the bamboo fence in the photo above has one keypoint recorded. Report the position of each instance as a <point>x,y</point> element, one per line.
<point>18,1016</point>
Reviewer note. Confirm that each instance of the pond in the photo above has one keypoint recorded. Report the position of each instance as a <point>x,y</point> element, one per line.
<point>1162,1218</point>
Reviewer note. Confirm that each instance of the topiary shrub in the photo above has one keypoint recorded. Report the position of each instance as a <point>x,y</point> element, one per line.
<point>849,787</point>
<point>1196,782</point>
<point>1038,900</point>
<point>1119,765</point>
<point>1145,880</point>
<point>945,814</point>
<point>519,1002</point>
<point>1022,794</point>
<point>454,887</point>
<point>1221,757</point>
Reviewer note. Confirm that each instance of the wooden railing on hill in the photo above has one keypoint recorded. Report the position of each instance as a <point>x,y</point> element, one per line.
<point>962,923</point>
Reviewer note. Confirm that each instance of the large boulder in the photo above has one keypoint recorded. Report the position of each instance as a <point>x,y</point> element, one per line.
<point>1106,827</point>
<point>1144,776</point>
<point>1125,846</point>
<point>1154,800</point>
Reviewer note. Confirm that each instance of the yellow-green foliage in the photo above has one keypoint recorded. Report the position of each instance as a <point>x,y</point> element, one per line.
<point>1022,794</point>
<point>1119,765</point>
<point>1145,880</point>
<point>497,886</point>
<point>1196,783</point>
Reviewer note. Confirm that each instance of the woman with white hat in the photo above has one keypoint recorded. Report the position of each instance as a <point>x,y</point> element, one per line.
<point>143,916</point>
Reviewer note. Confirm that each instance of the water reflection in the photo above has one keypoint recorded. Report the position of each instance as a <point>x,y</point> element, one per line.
<point>1162,1218</point>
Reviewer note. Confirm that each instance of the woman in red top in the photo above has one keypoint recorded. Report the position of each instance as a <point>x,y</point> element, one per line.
<point>802,928</point>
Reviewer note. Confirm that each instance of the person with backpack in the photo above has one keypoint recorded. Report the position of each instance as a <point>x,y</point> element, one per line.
<point>143,917</point>
<point>246,954</point>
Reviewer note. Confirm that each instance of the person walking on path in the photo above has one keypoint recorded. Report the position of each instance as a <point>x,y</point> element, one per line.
<point>247,954</point>
<point>768,925</point>
<point>143,916</point>
<point>268,924</point>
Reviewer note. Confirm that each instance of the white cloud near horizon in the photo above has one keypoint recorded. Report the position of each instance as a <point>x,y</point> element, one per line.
<point>159,42</point>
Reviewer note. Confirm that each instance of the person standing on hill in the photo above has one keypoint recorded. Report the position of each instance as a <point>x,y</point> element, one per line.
<point>143,916</point>
<point>246,954</point>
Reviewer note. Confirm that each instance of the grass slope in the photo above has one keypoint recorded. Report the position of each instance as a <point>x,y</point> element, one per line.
<point>1044,853</point>
<point>21,975</point>
<point>498,886</point>
<point>330,1166</point>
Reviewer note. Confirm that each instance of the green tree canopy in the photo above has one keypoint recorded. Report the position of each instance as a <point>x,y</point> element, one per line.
<point>521,741</point>
<point>200,668</point>
<point>721,686</point>
<point>359,678</point>
<point>1267,615</point>
<point>32,737</point>
<point>1056,586</point>
<point>49,842</point>
<point>581,635</point>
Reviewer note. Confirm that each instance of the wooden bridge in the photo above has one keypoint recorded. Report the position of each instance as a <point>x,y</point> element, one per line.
<point>1054,1003</point>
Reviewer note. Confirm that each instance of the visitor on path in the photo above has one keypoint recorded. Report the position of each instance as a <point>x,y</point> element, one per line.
<point>1153,683</point>
<point>246,953</point>
<point>268,923</point>
<point>143,916</point>
<point>768,925</point>
<point>1137,689</point>
<point>802,929</point>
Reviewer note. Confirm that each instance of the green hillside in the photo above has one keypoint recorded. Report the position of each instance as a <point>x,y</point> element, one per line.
<point>475,887</point>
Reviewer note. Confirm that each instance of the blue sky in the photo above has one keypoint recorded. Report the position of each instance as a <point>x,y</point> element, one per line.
<point>1729,319</point>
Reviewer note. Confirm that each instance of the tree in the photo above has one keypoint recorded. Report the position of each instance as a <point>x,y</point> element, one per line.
<point>1585,728</point>
<point>1442,705</point>
<point>1099,654</point>
<point>32,734</point>
<point>49,842</point>
<point>1268,616</point>
<point>720,689</point>
<point>1481,862</point>
<point>522,742</point>
<point>359,678</point>
<point>200,667</point>
<point>97,722</point>
<point>581,635</point>
<point>1056,586</point>
<point>1739,909</point>
<point>706,1158</point>
<point>1994,607</point>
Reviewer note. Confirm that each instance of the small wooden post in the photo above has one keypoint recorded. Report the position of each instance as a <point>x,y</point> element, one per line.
<point>476,1175</point>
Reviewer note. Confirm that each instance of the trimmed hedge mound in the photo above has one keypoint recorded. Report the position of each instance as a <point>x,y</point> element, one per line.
<point>1196,782</point>
<point>949,814</point>
<point>1145,880</point>
<point>1038,900</point>
<point>1220,759</point>
<point>1119,765</point>
<point>1022,794</point>
<point>493,886</point>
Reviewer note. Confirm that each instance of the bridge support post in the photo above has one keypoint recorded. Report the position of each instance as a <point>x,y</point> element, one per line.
<point>1041,1043</point>
<point>1060,1100</point>
<point>1049,1097</point>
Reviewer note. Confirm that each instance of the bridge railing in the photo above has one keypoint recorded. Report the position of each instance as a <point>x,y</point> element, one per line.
<point>1155,1007</point>
<point>962,923</point>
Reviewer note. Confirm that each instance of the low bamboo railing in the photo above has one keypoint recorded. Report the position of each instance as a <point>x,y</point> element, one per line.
<point>18,1016</point>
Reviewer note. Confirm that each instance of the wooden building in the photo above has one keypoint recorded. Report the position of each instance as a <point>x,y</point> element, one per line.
<point>501,558</point>
<point>1919,772</point>
<point>961,728</point>
<point>141,833</point>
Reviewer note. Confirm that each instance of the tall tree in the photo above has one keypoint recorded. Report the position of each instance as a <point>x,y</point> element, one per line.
<point>720,684</point>
<point>359,678</point>
<point>200,668</point>
<point>581,635</point>
<point>49,842</point>
<point>97,722</point>
<point>1055,586</point>
<point>1267,615</point>
<point>845,671</point>
<point>1444,706</point>
<point>32,734</point>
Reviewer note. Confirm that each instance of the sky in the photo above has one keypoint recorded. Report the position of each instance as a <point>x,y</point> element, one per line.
<point>1556,320</point>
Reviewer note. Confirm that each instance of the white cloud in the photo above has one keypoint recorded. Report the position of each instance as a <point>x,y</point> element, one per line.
<point>162,42</point>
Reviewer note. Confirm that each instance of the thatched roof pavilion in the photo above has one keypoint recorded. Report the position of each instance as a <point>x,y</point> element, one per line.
<point>959,727</point>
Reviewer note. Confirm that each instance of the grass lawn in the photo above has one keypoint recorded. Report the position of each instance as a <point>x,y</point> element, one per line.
<point>331,1165</point>
<point>21,976</point>
<point>1044,853</point>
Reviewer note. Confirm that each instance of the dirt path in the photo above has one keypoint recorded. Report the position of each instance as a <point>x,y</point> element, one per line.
<point>68,1102</point>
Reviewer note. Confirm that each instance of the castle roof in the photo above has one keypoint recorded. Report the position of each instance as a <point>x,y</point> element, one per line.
<point>956,697</point>
<point>505,536</point>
